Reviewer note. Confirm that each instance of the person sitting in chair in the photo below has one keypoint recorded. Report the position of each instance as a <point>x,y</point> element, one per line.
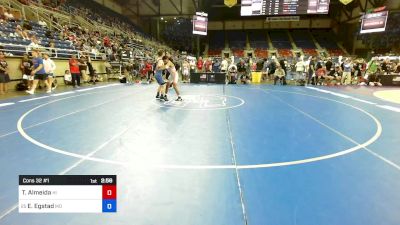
<point>279,75</point>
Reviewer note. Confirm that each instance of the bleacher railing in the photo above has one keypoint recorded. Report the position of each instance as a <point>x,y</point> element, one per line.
<point>18,50</point>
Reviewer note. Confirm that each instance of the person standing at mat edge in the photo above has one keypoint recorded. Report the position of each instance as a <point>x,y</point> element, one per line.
<point>159,77</point>
<point>4,77</point>
<point>38,72</point>
<point>49,67</point>
<point>75,73</point>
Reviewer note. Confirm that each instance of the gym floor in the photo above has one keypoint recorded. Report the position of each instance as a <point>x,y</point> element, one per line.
<point>226,155</point>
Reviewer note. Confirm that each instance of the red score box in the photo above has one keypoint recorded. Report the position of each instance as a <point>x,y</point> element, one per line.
<point>109,192</point>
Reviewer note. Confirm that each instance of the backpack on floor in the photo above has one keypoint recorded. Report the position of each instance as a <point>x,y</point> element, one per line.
<point>301,82</point>
<point>122,80</point>
<point>21,86</point>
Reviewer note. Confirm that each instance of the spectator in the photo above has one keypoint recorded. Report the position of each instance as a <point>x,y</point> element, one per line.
<point>398,68</point>
<point>208,65</point>
<point>272,67</point>
<point>372,66</point>
<point>51,48</point>
<point>8,15</point>
<point>49,67</point>
<point>34,44</point>
<point>300,68</point>
<point>42,23</point>
<point>4,76</point>
<point>216,67</point>
<point>311,70</point>
<point>373,79</point>
<point>192,64</point>
<point>22,33</point>
<point>26,67</point>
<point>336,74</point>
<point>67,78</point>
<point>200,64</point>
<point>224,65</point>
<point>241,68</point>
<point>38,72</point>
<point>232,73</point>
<point>329,64</point>
<point>185,70</point>
<point>75,73</point>
<point>346,76</point>
<point>92,73</point>
<point>82,68</point>
<point>279,75</point>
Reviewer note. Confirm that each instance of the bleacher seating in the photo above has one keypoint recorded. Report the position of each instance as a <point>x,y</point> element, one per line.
<point>236,39</point>
<point>96,12</point>
<point>261,53</point>
<point>336,52</point>
<point>14,12</point>
<point>280,39</point>
<point>302,39</point>
<point>214,52</point>
<point>18,46</point>
<point>216,42</point>
<point>325,39</point>
<point>310,52</point>
<point>238,52</point>
<point>258,39</point>
<point>285,53</point>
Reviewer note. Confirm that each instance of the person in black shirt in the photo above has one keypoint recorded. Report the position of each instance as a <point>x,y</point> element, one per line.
<point>241,68</point>
<point>26,67</point>
<point>385,66</point>
<point>398,68</point>
<point>4,77</point>
<point>92,72</point>
<point>271,67</point>
<point>357,70</point>
<point>328,65</point>
<point>311,70</point>
<point>260,65</point>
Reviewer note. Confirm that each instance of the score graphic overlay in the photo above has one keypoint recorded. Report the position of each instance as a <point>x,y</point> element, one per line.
<point>200,23</point>
<point>283,7</point>
<point>67,193</point>
<point>374,22</point>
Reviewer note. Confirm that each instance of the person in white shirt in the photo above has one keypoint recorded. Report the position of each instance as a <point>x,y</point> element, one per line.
<point>192,64</point>
<point>49,68</point>
<point>300,68</point>
<point>67,78</point>
<point>232,73</point>
<point>224,65</point>
<point>185,70</point>
<point>8,15</point>
<point>34,44</point>
<point>42,23</point>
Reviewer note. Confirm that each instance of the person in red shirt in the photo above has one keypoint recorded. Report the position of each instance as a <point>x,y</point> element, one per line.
<point>200,64</point>
<point>149,70</point>
<point>75,73</point>
<point>321,73</point>
<point>106,41</point>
